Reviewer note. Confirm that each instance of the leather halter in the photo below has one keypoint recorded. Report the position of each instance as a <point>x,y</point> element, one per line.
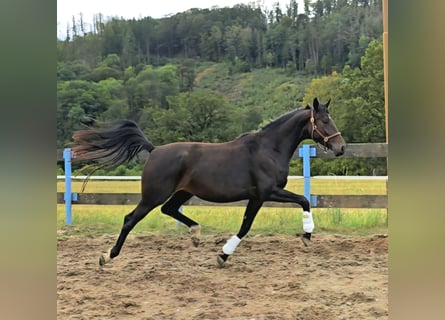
<point>314,128</point>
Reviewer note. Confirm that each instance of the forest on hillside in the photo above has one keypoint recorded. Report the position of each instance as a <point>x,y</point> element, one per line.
<point>212,74</point>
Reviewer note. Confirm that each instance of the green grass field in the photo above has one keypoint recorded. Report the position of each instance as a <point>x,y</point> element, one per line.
<point>100,219</point>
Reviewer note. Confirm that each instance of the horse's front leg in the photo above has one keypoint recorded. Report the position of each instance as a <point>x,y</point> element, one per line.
<point>281,195</point>
<point>249,215</point>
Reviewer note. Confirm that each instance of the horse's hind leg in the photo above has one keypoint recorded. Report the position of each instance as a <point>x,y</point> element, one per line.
<point>130,220</point>
<point>171,208</point>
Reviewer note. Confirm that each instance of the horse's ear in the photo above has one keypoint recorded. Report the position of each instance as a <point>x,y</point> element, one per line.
<point>327,103</point>
<point>316,104</point>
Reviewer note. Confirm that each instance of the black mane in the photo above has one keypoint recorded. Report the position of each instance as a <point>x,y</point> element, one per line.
<point>283,118</point>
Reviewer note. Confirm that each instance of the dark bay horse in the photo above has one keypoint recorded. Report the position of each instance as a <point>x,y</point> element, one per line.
<point>252,167</point>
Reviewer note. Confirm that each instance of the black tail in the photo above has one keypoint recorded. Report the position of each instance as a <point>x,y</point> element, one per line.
<point>109,145</point>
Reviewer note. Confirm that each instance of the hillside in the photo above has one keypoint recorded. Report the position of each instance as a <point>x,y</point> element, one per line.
<point>270,91</point>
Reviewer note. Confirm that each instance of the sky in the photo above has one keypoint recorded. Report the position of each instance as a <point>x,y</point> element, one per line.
<point>129,9</point>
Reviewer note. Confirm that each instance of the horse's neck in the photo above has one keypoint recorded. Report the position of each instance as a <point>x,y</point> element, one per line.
<point>286,137</point>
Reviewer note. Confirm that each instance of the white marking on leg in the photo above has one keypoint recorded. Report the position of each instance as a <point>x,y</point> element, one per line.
<point>231,244</point>
<point>308,222</point>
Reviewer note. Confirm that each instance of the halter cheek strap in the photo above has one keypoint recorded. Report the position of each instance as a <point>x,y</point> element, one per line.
<point>314,128</point>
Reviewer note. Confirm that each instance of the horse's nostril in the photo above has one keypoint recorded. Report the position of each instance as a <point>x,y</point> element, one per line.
<point>342,150</point>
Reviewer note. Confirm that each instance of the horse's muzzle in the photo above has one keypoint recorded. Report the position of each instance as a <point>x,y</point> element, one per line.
<point>339,151</point>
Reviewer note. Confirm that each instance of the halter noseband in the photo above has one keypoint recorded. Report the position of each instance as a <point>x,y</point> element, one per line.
<point>325,138</point>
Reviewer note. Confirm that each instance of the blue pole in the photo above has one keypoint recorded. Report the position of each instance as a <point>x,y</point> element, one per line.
<point>68,195</point>
<point>305,152</point>
<point>307,171</point>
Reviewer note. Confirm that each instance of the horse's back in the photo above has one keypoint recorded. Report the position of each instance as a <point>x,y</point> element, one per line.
<point>212,171</point>
<point>196,156</point>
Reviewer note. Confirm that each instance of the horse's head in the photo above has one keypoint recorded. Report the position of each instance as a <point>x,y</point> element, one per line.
<point>323,129</point>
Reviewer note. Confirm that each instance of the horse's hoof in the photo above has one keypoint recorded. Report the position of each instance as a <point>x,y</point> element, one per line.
<point>306,238</point>
<point>221,259</point>
<point>104,258</point>
<point>221,262</point>
<point>195,241</point>
<point>196,234</point>
<point>101,260</point>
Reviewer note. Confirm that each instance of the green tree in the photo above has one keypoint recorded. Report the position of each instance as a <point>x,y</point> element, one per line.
<point>64,72</point>
<point>192,116</point>
<point>233,42</point>
<point>323,88</point>
<point>212,43</point>
<point>129,46</point>
<point>110,67</point>
<point>112,37</point>
<point>362,98</point>
<point>77,102</point>
<point>117,102</point>
<point>150,88</point>
<point>186,75</point>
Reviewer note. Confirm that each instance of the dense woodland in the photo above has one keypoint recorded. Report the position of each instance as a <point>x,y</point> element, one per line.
<point>212,74</point>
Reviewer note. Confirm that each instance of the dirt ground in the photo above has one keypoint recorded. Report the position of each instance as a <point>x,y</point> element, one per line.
<point>268,277</point>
